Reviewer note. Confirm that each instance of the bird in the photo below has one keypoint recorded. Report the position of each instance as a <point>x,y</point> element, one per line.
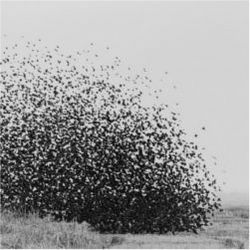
<point>79,146</point>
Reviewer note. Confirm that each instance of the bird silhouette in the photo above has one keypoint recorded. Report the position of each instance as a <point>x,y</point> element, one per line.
<point>77,145</point>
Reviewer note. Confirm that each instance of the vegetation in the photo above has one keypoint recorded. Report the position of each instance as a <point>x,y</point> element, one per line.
<point>30,231</point>
<point>78,147</point>
<point>229,230</point>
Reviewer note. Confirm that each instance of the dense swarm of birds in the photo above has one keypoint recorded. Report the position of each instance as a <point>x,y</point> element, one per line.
<point>77,147</point>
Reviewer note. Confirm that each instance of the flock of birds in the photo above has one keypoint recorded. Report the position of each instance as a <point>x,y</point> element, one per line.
<point>78,146</point>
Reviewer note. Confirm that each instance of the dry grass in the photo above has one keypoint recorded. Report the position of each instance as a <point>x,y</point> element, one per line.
<point>230,230</point>
<point>33,232</point>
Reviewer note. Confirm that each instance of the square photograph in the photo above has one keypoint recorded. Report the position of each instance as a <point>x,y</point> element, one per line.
<point>124,125</point>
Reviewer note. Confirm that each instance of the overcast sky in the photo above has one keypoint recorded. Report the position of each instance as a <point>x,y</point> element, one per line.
<point>202,45</point>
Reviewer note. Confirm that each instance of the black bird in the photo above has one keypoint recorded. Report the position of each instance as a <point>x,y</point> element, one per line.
<point>79,146</point>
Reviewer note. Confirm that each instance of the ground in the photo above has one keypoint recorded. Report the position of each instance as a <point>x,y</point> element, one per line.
<point>230,229</point>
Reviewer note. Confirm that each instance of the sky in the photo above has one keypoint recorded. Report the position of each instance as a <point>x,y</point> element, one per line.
<point>202,45</point>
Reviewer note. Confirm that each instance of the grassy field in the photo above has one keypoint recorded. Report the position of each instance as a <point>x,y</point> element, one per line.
<point>230,229</point>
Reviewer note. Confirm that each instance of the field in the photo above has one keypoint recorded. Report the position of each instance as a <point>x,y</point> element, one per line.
<point>230,229</point>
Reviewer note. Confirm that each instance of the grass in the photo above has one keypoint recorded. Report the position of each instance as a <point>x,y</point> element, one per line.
<point>33,232</point>
<point>230,229</point>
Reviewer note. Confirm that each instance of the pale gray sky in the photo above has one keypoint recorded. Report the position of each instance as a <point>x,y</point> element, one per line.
<point>203,46</point>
